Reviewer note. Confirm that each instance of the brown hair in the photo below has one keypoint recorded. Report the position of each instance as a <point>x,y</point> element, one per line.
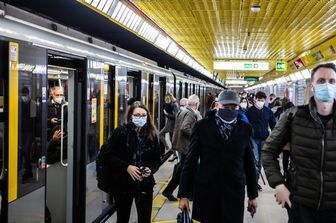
<point>151,130</point>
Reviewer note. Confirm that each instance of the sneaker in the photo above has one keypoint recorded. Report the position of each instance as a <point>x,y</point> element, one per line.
<point>170,197</point>
<point>259,187</point>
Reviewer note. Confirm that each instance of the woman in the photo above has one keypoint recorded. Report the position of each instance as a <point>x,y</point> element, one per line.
<point>244,104</point>
<point>135,157</point>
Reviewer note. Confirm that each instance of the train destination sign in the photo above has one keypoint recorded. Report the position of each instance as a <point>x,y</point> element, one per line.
<point>220,65</point>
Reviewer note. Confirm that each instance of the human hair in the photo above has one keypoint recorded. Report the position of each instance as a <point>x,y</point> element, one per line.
<point>272,95</point>
<point>285,100</point>
<point>151,130</point>
<point>193,100</point>
<point>184,102</point>
<point>25,91</point>
<point>277,103</point>
<point>325,65</point>
<point>260,95</point>
<point>168,98</point>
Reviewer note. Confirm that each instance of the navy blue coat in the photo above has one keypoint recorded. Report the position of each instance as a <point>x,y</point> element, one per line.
<point>260,120</point>
<point>224,168</point>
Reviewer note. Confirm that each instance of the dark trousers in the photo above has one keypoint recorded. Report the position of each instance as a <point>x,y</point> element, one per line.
<point>301,214</point>
<point>175,181</point>
<point>143,201</point>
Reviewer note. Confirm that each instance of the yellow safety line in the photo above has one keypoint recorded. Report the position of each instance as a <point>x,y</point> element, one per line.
<point>13,120</point>
<point>101,123</point>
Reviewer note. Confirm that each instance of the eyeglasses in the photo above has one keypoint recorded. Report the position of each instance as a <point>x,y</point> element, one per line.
<point>139,115</point>
<point>59,95</point>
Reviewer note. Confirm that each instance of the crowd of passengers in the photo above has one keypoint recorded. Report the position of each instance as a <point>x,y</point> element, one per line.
<point>221,154</point>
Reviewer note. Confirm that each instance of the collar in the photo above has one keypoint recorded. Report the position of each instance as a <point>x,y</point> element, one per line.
<point>313,109</point>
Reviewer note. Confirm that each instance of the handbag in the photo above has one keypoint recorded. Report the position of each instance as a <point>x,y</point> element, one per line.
<point>183,217</point>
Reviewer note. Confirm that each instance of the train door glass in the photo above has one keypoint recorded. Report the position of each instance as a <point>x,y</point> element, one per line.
<point>133,87</point>
<point>157,101</point>
<point>144,89</point>
<point>186,93</point>
<point>151,97</point>
<point>162,92</point>
<point>96,200</point>
<point>121,84</point>
<point>27,156</point>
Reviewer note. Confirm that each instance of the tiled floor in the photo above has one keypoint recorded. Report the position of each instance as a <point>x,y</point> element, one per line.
<point>165,211</point>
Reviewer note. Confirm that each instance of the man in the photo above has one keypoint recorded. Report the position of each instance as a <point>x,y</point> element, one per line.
<point>218,165</point>
<point>185,120</point>
<point>311,189</point>
<point>272,100</point>
<point>261,119</point>
<point>54,109</point>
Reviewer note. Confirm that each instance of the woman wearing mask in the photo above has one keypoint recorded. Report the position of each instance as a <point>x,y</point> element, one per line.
<point>244,104</point>
<point>135,157</point>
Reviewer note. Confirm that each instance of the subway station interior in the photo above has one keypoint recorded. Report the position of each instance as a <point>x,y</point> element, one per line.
<point>105,53</point>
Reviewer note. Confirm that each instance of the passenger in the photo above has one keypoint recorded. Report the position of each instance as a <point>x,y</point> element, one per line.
<point>244,105</point>
<point>276,105</point>
<point>185,120</point>
<point>169,110</point>
<point>210,99</point>
<point>135,158</point>
<point>261,119</point>
<point>285,104</point>
<point>272,99</point>
<point>54,146</point>
<point>310,193</point>
<point>54,109</point>
<point>220,144</point>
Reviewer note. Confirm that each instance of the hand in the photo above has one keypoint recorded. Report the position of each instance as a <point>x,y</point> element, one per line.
<point>184,204</point>
<point>164,112</point>
<point>57,136</point>
<point>252,206</point>
<point>134,172</point>
<point>282,195</point>
<point>146,172</point>
<point>54,121</point>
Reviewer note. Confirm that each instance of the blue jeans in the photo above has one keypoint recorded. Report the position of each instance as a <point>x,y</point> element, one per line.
<point>257,146</point>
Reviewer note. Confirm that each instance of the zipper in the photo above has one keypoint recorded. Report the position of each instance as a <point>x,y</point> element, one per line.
<point>321,170</point>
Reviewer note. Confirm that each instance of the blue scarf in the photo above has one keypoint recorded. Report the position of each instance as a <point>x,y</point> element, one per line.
<point>225,129</point>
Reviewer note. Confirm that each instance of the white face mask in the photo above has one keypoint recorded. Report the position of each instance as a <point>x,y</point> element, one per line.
<point>243,105</point>
<point>259,104</point>
<point>58,100</point>
<point>25,98</point>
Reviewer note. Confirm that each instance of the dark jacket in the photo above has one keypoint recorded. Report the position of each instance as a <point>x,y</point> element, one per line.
<point>54,111</point>
<point>123,144</point>
<point>282,109</point>
<point>260,120</point>
<point>313,152</point>
<point>225,167</point>
<point>171,109</point>
<point>54,151</point>
<point>185,121</point>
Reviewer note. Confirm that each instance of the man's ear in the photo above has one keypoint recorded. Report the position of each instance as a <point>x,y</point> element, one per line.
<point>311,87</point>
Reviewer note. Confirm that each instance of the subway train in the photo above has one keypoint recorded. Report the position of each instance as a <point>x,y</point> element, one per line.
<point>98,83</point>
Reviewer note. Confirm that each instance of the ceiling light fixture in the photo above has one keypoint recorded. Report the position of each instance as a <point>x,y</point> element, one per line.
<point>255,8</point>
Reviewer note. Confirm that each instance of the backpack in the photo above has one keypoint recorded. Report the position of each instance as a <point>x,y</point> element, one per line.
<point>103,168</point>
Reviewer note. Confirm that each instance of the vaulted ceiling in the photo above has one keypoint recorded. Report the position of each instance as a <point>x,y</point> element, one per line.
<point>212,30</point>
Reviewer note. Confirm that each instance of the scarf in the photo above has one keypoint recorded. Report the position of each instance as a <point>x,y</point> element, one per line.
<point>225,129</point>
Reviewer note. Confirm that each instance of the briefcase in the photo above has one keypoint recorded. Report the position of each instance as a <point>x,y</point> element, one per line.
<point>183,217</point>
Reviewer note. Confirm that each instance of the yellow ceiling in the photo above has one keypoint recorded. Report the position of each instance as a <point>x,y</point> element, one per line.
<point>227,29</point>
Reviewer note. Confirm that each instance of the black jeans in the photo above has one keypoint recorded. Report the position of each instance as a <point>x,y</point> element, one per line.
<point>175,181</point>
<point>143,201</point>
<point>302,214</point>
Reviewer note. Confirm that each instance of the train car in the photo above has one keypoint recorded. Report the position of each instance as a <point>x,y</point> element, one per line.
<point>98,81</point>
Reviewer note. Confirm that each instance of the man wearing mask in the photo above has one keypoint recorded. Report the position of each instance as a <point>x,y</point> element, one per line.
<point>261,119</point>
<point>54,109</point>
<point>218,165</point>
<point>310,193</point>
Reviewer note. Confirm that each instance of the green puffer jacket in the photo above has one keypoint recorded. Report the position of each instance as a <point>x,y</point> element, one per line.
<point>312,180</point>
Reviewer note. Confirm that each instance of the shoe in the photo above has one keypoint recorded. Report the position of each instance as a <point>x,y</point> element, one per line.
<point>170,197</point>
<point>259,188</point>
<point>172,159</point>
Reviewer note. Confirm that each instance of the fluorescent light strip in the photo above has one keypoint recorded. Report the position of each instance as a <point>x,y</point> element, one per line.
<point>101,4</point>
<point>116,10</point>
<point>124,14</point>
<point>107,6</point>
<point>88,1</point>
<point>120,12</point>
<point>95,3</point>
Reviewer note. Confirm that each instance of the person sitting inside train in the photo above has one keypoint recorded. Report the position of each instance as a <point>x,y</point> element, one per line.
<point>54,146</point>
<point>135,157</point>
<point>54,109</point>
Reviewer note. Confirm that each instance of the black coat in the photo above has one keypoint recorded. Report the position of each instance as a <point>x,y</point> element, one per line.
<point>123,144</point>
<point>224,168</point>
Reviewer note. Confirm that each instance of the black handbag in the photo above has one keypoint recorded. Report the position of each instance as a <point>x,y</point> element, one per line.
<point>183,217</point>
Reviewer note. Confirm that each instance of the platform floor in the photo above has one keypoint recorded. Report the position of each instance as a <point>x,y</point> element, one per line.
<point>165,211</point>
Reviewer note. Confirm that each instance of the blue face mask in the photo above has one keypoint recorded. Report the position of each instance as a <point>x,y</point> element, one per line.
<point>325,92</point>
<point>227,115</point>
<point>139,121</point>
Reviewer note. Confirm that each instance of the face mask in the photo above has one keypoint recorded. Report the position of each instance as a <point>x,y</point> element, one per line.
<point>58,100</point>
<point>227,115</point>
<point>259,104</point>
<point>139,121</point>
<point>243,105</point>
<point>25,98</point>
<point>325,92</point>
<point>183,108</point>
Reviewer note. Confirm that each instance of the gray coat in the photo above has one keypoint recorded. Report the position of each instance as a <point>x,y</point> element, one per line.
<point>184,122</point>
<point>312,179</point>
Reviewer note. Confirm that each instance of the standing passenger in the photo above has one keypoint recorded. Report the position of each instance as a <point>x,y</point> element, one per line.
<point>261,119</point>
<point>218,165</point>
<point>310,194</point>
<point>135,158</point>
<point>185,120</point>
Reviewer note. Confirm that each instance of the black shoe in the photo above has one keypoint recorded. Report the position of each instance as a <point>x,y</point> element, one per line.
<point>259,188</point>
<point>172,159</point>
<point>170,197</point>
